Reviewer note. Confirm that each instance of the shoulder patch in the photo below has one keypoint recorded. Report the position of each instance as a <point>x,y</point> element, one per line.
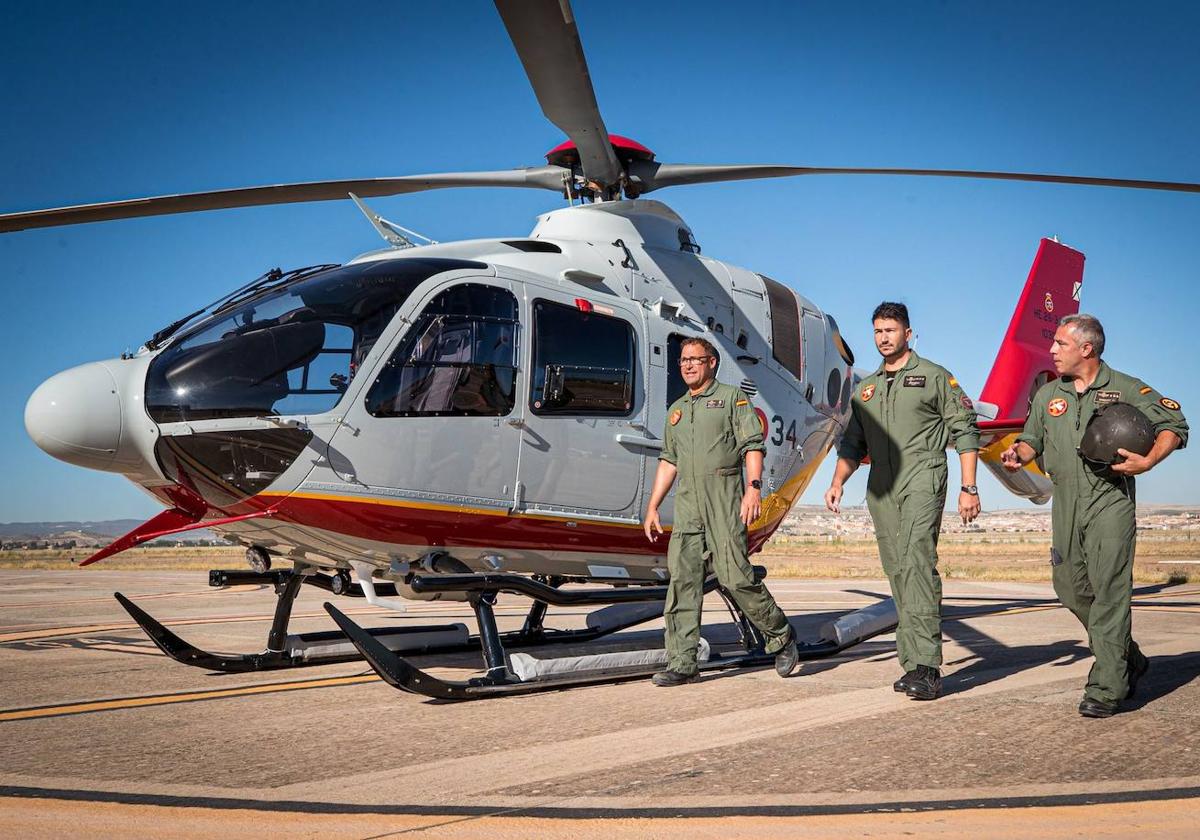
<point>868,392</point>
<point>953,382</point>
<point>1145,390</point>
<point>676,416</point>
<point>966,402</point>
<point>1057,407</point>
<point>1169,403</point>
<point>742,402</point>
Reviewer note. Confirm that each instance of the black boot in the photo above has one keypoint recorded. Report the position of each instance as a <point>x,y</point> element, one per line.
<point>669,679</point>
<point>1139,664</point>
<point>788,658</point>
<point>926,684</point>
<point>901,685</point>
<point>1096,708</point>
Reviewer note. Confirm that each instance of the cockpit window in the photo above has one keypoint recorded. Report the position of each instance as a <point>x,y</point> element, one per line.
<point>457,360</point>
<point>291,350</point>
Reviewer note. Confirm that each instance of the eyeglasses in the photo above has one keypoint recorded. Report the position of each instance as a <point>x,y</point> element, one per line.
<point>684,361</point>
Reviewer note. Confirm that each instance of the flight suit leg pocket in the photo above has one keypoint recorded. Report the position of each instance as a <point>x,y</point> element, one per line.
<point>1056,558</point>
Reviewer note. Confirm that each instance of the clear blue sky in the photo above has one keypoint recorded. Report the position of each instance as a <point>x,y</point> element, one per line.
<point>107,101</point>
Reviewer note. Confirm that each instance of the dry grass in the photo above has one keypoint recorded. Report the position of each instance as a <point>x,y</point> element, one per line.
<point>991,557</point>
<point>135,559</point>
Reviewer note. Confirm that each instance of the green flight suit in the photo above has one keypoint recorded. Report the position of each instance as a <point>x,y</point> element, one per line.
<point>707,437</point>
<point>905,428</point>
<point>1093,516</point>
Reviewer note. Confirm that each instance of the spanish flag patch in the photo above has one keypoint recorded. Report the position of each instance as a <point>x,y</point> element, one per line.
<point>1145,390</point>
<point>742,402</point>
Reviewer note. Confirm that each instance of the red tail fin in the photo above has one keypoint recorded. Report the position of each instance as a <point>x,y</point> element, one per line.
<point>1023,363</point>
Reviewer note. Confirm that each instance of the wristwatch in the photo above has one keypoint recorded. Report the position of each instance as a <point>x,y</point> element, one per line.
<point>756,484</point>
<point>970,488</point>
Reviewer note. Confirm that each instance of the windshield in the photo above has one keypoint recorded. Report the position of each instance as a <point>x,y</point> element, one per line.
<point>291,350</point>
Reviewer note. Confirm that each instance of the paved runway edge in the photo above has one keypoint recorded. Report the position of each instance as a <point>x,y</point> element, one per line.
<point>775,810</point>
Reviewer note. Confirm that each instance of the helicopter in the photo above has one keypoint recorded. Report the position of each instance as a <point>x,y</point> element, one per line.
<point>455,420</point>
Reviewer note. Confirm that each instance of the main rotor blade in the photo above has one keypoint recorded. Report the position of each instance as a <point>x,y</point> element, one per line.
<point>540,177</point>
<point>547,42</point>
<point>656,176</point>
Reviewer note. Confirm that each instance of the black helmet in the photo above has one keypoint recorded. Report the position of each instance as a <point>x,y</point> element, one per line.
<point>1112,427</point>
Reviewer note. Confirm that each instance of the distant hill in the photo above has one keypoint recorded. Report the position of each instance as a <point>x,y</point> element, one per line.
<point>84,532</point>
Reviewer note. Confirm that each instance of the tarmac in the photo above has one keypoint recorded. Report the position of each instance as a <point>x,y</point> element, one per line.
<point>101,734</point>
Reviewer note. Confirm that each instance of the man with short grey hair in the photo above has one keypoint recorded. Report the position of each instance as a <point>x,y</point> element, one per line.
<point>1088,330</point>
<point>1091,558</point>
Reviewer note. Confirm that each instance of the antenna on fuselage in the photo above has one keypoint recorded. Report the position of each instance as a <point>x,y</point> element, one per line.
<point>394,234</point>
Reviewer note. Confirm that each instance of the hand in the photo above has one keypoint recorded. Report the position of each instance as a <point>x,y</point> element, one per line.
<point>651,524</point>
<point>833,498</point>
<point>1134,464</point>
<point>1011,459</point>
<point>751,506</point>
<point>968,507</point>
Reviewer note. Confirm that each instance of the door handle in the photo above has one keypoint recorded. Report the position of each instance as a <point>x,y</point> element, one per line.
<point>635,440</point>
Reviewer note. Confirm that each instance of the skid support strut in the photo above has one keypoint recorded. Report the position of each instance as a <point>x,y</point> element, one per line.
<point>499,677</point>
<point>283,649</point>
<point>287,650</point>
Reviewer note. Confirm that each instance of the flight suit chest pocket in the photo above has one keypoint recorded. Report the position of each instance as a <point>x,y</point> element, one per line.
<point>721,440</point>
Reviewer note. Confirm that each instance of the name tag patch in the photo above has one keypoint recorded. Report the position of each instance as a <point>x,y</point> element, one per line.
<point>914,381</point>
<point>715,404</point>
<point>1107,398</point>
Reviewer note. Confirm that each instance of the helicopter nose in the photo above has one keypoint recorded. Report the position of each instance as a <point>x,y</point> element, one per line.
<point>75,416</point>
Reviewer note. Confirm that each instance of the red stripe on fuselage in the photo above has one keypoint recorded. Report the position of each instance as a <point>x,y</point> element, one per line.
<point>444,526</point>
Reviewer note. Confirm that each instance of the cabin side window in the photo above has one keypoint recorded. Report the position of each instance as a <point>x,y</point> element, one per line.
<point>457,360</point>
<point>583,362</point>
<point>785,326</point>
<point>676,387</point>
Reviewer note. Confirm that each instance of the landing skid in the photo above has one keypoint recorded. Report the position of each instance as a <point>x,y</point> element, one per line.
<point>399,673</point>
<point>500,679</point>
<point>284,650</point>
<point>384,648</point>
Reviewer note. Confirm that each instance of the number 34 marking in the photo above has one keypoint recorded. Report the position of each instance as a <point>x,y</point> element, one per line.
<point>778,436</point>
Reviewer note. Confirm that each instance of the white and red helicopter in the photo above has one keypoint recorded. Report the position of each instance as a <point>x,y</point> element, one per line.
<point>455,420</point>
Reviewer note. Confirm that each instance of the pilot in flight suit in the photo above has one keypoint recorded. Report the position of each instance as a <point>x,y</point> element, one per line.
<point>904,419</point>
<point>709,432</point>
<point>1093,511</point>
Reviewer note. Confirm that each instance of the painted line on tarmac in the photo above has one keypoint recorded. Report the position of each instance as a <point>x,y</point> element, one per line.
<point>149,596</point>
<point>1179,794</point>
<point>36,712</point>
<point>89,629</point>
<point>87,707</point>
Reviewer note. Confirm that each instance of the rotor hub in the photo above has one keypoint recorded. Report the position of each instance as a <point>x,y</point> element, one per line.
<point>566,154</point>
